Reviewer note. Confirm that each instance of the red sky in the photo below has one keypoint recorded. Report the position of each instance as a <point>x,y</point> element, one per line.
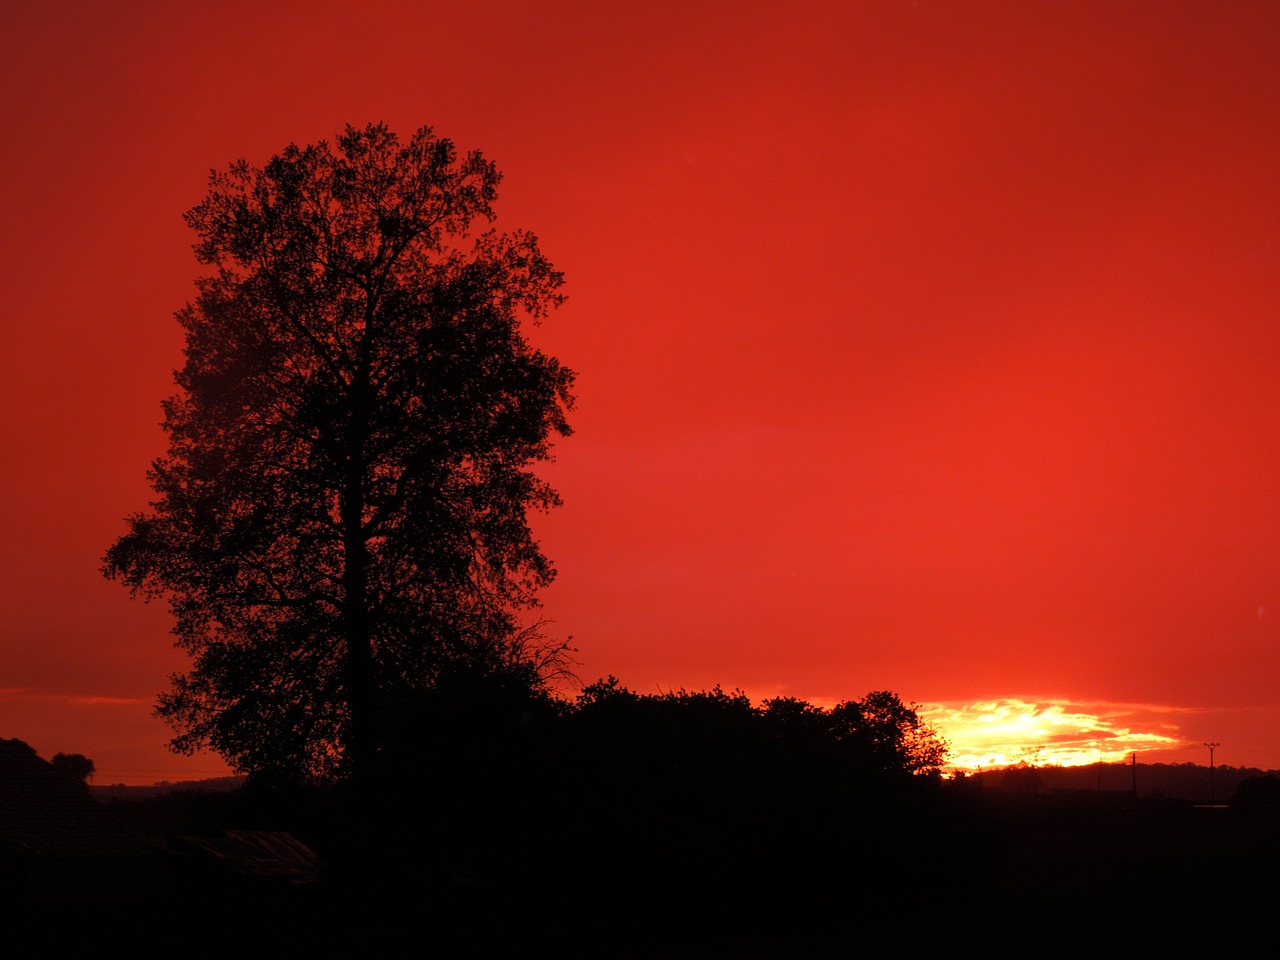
<point>926,346</point>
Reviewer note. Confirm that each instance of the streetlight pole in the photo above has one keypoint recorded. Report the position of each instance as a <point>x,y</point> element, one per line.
<point>1211,746</point>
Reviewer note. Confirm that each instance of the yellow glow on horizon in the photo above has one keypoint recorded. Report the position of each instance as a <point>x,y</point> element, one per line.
<point>1001,733</point>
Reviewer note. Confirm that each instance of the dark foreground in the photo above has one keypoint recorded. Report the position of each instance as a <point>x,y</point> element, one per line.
<point>925,868</point>
<point>682,825</point>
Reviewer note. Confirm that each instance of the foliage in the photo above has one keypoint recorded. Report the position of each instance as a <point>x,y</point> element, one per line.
<point>891,732</point>
<point>878,734</point>
<point>341,517</point>
<point>73,766</point>
<point>1259,793</point>
<point>1023,779</point>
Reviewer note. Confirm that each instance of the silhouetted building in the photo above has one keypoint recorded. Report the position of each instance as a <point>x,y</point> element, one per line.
<point>57,843</point>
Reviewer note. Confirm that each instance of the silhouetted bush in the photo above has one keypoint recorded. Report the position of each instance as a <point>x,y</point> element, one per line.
<point>74,766</point>
<point>1258,794</point>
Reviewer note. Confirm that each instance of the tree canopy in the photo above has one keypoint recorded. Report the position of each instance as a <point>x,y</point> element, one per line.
<point>342,514</point>
<point>73,766</point>
<point>876,736</point>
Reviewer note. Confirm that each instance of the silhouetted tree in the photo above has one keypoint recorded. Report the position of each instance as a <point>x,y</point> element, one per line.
<point>794,714</point>
<point>73,766</point>
<point>890,732</point>
<point>1258,793</point>
<point>340,518</point>
<point>878,733</point>
<point>1023,779</point>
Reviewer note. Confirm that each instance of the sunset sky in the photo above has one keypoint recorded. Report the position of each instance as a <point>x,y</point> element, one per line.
<point>925,346</point>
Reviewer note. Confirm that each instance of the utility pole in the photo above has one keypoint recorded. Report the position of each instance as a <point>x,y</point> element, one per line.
<point>1211,746</point>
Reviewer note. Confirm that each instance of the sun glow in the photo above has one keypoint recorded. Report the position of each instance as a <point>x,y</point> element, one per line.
<point>999,733</point>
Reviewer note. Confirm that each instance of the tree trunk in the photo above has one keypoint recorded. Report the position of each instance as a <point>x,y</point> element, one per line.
<point>361,742</point>
<point>362,737</point>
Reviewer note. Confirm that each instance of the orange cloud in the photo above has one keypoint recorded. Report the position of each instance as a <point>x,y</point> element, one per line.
<point>996,733</point>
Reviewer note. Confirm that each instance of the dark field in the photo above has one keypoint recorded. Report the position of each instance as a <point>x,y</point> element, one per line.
<point>692,867</point>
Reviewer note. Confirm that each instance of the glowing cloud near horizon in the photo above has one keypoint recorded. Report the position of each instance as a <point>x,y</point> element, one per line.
<point>997,733</point>
<point>30,695</point>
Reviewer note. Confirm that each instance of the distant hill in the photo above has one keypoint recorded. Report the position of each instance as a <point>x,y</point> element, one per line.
<point>120,791</point>
<point>1182,781</point>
